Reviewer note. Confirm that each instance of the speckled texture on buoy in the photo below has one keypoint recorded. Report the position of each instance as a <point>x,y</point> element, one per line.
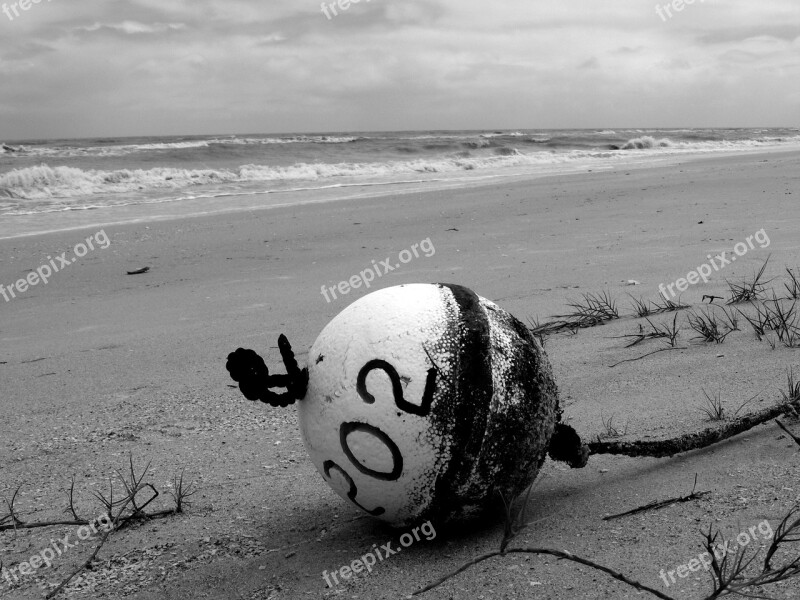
<point>426,399</point>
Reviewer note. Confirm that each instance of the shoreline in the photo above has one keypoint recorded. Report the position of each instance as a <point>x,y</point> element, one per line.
<point>242,202</point>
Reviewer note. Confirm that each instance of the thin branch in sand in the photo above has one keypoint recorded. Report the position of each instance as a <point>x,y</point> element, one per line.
<point>793,436</point>
<point>547,551</point>
<point>100,544</point>
<point>662,504</point>
<point>646,355</point>
<point>12,515</point>
<point>120,513</point>
<point>729,577</point>
<point>181,492</point>
<point>13,521</point>
<point>133,483</point>
<point>139,513</point>
<point>785,532</point>
<point>71,508</point>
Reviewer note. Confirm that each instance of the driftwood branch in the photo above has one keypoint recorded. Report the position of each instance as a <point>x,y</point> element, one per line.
<point>692,441</point>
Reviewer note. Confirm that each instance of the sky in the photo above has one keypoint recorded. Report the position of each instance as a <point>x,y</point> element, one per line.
<point>109,68</point>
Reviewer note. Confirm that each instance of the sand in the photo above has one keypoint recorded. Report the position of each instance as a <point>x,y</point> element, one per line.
<point>99,365</point>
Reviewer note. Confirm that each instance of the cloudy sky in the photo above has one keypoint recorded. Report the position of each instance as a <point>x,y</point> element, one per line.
<point>80,68</point>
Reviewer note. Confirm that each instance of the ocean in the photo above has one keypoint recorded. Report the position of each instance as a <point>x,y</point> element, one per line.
<point>48,185</point>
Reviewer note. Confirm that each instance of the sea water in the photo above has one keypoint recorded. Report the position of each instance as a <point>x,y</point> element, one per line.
<point>48,185</point>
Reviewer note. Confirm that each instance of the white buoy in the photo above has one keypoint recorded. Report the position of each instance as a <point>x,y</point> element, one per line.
<point>424,400</point>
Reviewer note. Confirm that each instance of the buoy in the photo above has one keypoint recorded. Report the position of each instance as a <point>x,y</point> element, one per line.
<point>420,401</point>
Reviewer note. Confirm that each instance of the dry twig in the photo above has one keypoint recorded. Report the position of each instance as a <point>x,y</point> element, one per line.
<point>662,504</point>
<point>648,354</point>
<point>793,436</point>
<point>121,513</point>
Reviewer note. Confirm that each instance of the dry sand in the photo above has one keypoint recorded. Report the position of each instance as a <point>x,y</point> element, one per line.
<point>98,365</point>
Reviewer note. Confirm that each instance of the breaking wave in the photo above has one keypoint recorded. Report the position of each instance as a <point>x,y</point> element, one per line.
<point>645,143</point>
<point>45,182</point>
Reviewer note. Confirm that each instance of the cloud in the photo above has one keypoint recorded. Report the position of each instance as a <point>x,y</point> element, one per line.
<point>741,34</point>
<point>133,27</point>
<point>140,67</point>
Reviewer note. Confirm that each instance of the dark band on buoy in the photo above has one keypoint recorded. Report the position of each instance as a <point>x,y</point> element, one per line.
<point>473,375</point>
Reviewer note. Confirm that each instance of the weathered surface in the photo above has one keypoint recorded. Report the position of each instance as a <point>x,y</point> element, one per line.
<point>424,400</point>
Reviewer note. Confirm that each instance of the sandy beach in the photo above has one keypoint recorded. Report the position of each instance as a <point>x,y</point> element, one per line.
<point>98,365</point>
